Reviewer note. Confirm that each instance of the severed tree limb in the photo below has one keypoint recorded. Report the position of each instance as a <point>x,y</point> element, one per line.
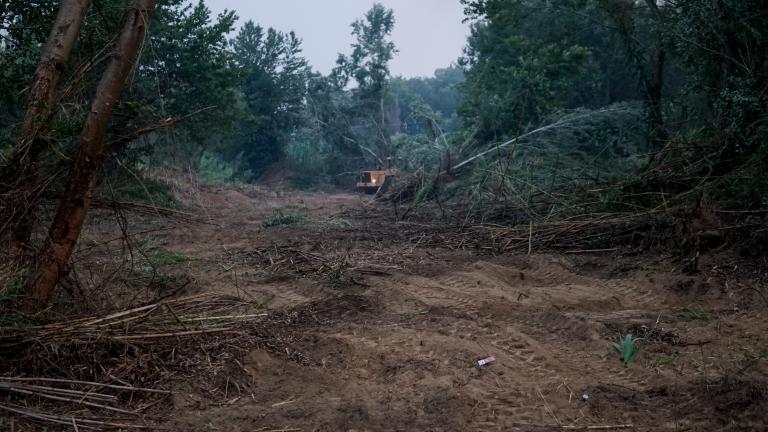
<point>122,141</point>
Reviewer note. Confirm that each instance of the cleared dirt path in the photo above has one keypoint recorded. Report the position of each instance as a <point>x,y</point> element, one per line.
<point>399,322</point>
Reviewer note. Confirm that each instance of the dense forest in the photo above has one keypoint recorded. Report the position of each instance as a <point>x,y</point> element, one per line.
<point>564,125</point>
<point>674,85</point>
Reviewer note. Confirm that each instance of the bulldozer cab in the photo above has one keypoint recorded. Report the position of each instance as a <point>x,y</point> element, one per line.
<point>376,181</point>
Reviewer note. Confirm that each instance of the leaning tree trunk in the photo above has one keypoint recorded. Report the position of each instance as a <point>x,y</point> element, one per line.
<point>74,204</point>
<point>55,54</point>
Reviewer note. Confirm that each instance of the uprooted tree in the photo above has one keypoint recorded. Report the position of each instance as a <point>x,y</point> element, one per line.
<point>74,204</point>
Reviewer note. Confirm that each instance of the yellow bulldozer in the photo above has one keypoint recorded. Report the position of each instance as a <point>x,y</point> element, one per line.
<point>378,180</point>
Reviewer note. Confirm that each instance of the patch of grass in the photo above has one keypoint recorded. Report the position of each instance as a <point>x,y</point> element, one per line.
<point>342,223</point>
<point>159,257</point>
<point>11,291</point>
<point>662,360</point>
<point>279,218</point>
<point>694,314</point>
<point>629,347</point>
<point>168,258</point>
<point>150,243</point>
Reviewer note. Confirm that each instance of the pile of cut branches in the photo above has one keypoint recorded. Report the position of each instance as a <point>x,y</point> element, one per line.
<point>113,372</point>
<point>166,319</point>
<point>106,371</point>
<point>596,233</point>
<point>58,401</point>
<point>289,260</point>
<point>284,259</point>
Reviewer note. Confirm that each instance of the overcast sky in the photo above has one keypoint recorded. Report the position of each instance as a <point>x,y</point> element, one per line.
<point>428,33</point>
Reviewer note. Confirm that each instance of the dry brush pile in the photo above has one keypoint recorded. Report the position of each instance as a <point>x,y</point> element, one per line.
<point>117,371</point>
<point>583,182</point>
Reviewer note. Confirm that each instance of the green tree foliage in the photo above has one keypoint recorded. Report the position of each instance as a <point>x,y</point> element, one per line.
<point>187,66</point>
<point>521,66</point>
<point>368,66</point>
<point>324,145</point>
<point>723,43</point>
<point>440,93</point>
<point>273,76</point>
<point>697,67</point>
<point>349,116</point>
<point>24,27</point>
<point>372,51</point>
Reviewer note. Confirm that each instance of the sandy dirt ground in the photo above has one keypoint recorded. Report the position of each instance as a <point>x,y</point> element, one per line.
<point>399,321</point>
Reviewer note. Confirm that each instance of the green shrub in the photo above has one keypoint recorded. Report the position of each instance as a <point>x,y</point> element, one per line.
<point>214,170</point>
<point>139,189</point>
<point>280,218</point>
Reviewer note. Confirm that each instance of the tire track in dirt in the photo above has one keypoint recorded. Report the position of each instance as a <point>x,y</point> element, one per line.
<point>538,342</point>
<point>632,295</point>
<point>523,366</point>
<point>286,296</point>
<point>431,293</point>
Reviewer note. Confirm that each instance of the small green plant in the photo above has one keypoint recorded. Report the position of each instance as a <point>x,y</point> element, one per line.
<point>629,347</point>
<point>339,277</point>
<point>279,218</point>
<point>694,314</point>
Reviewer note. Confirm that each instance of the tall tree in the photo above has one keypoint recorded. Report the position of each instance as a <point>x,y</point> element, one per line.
<point>441,93</point>
<point>649,58</point>
<point>519,68</point>
<point>24,161</point>
<point>272,74</point>
<point>75,202</point>
<point>723,44</point>
<point>188,65</point>
<point>368,65</point>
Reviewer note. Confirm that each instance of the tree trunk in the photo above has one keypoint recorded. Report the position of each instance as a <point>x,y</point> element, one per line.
<point>73,206</point>
<point>654,87</point>
<point>54,57</point>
